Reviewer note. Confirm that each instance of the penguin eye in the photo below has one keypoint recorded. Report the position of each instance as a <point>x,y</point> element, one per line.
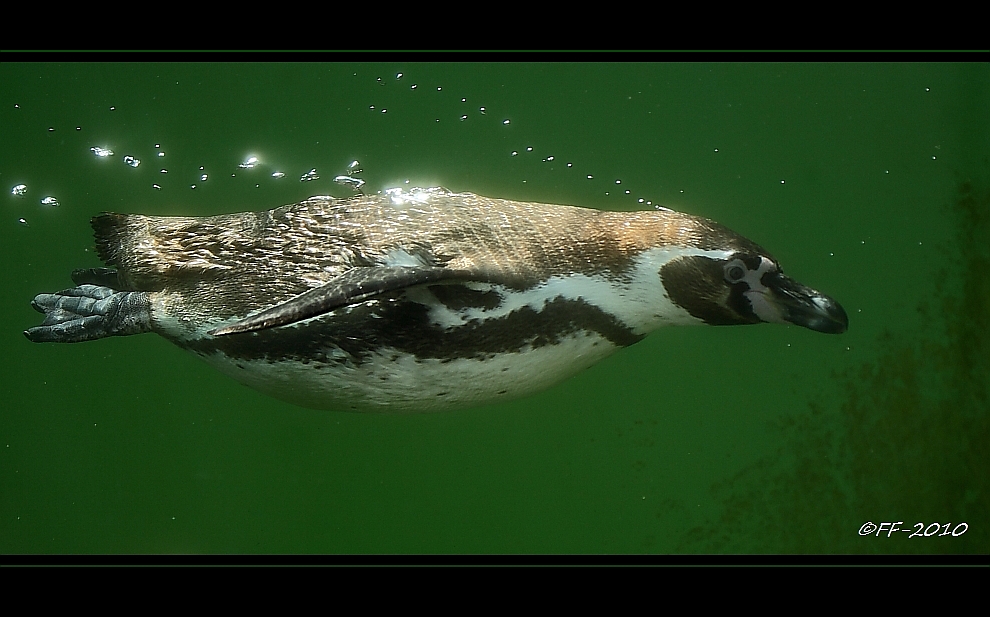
<point>734,272</point>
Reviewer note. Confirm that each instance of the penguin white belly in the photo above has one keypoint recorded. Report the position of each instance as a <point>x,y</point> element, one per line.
<point>390,380</point>
<point>493,344</point>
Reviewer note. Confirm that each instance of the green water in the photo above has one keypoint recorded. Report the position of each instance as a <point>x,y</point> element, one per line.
<point>868,181</point>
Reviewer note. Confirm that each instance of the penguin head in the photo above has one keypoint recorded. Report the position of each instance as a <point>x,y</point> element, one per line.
<point>746,285</point>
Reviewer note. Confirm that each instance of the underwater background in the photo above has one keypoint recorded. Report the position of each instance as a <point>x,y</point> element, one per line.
<point>868,181</point>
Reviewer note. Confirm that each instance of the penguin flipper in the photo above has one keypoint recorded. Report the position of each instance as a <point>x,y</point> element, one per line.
<point>90,312</point>
<point>355,285</point>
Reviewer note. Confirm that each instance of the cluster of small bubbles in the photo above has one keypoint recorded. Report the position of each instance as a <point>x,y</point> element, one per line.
<point>49,201</point>
<point>203,178</point>
<point>482,110</point>
<point>101,152</point>
<point>250,163</point>
<point>19,190</point>
<point>278,174</point>
<point>130,160</point>
<point>309,176</point>
<point>549,158</point>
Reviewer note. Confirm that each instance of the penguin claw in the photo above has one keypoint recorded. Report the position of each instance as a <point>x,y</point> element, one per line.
<point>89,312</point>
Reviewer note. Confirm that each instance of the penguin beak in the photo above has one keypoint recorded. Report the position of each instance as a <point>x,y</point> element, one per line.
<point>803,306</point>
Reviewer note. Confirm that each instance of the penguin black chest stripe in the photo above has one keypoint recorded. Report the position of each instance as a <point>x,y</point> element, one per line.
<point>356,334</point>
<point>420,300</point>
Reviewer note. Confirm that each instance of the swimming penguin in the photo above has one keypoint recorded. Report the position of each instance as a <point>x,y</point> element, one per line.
<point>419,300</point>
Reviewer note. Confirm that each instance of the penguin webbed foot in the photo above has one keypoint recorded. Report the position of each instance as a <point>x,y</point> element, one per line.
<point>89,312</point>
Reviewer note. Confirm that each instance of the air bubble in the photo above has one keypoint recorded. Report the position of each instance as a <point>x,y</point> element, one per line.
<point>278,174</point>
<point>156,187</point>
<point>506,121</point>
<point>203,178</point>
<point>23,222</point>
<point>482,110</point>
<point>590,176</point>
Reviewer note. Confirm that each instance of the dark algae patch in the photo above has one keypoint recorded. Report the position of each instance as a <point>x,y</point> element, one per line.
<point>908,442</point>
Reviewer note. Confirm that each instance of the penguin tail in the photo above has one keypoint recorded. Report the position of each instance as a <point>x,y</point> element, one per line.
<point>110,231</point>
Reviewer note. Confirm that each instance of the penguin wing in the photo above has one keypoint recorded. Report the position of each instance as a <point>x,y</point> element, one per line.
<point>355,285</point>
